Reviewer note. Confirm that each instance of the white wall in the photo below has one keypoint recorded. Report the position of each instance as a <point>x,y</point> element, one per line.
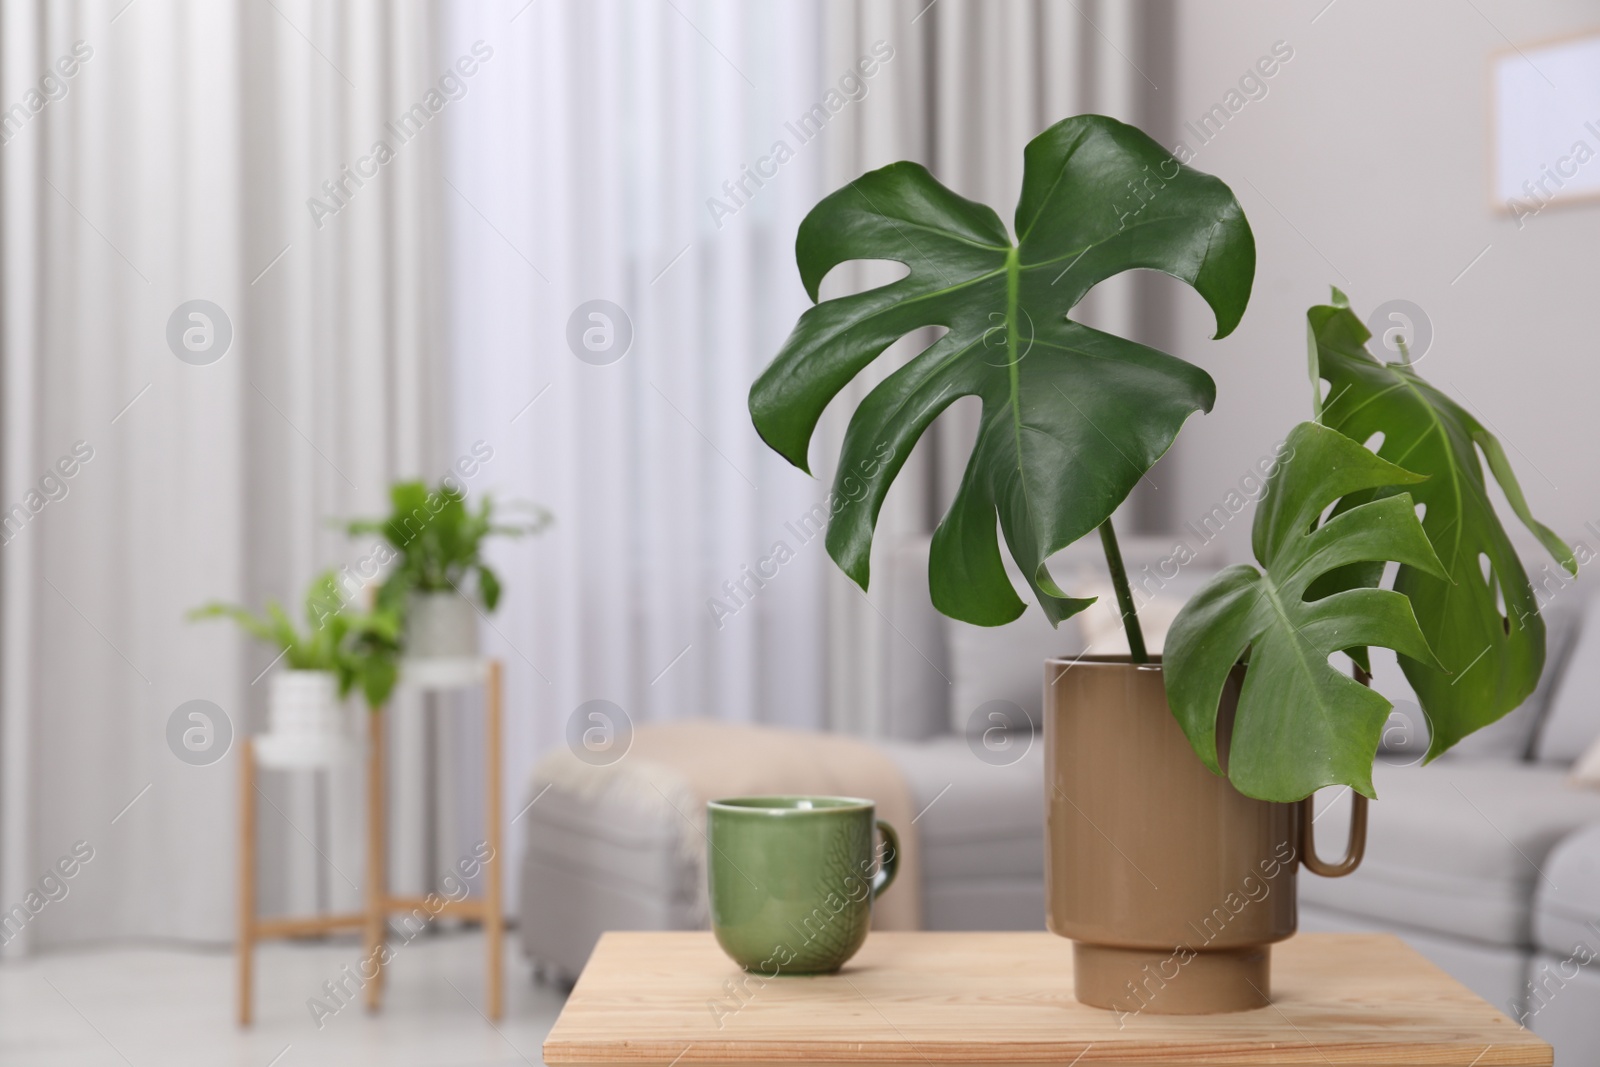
<point>1367,165</point>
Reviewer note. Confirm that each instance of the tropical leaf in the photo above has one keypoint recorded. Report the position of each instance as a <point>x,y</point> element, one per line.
<point>488,587</point>
<point>1072,418</point>
<point>378,678</point>
<point>439,539</point>
<point>1300,723</point>
<point>265,629</point>
<point>359,648</point>
<point>1481,617</point>
<point>370,657</point>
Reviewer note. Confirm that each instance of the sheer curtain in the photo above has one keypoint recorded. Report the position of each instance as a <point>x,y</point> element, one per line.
<point>613,157</point>
<point>659,157</point>
<point>574,266</point>
<point>972,82</point>
<point>176,162</point>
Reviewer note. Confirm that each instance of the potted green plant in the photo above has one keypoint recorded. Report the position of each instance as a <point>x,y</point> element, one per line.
<point>1185,772</point>
<point>339,650</point>
<point>438,541</point>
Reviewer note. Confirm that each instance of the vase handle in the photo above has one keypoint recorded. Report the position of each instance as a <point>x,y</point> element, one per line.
<point>1356,846</point>
<point>1354,849</point>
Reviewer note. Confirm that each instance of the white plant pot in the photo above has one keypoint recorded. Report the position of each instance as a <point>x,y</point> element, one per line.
<point>441,626</point>
<point>307,724</point>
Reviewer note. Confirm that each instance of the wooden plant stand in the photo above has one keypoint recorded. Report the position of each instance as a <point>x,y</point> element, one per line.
<point>379,906</point>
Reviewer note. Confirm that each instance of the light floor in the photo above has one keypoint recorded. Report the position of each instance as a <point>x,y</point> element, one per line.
<point>144,1007</point>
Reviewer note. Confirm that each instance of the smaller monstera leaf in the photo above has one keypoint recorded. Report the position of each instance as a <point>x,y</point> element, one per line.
<point>1072,417</point>
<point>1489,660</point>
<point>1301,724</point>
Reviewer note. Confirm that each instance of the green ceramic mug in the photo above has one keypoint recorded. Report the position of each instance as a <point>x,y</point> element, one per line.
<point>792,879</point>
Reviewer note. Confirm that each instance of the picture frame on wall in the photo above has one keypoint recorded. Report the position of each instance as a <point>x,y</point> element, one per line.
<point>1545,125</point>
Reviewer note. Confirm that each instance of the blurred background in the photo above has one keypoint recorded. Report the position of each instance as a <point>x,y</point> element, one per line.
<point>399,224</point>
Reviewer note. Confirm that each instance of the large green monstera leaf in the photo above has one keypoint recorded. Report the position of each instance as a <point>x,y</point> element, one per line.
<point>1489,660</point>
<point>1072,417</point>
<point>1301,724</point>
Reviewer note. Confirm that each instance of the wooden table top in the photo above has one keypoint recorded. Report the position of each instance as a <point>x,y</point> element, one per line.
<point>980,998</point>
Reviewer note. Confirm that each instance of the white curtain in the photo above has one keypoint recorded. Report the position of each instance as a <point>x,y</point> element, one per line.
<point>176,162</point>
<point>605,161</point>
<point>392,311</point>
<point>597,166</point>
<point>971,83</point>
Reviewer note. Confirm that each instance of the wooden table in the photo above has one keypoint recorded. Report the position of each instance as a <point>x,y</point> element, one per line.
<point>981,998</point>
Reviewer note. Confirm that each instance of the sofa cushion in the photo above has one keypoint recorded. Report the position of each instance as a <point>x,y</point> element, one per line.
<point>634,847</point>
<point>1101,622</point>
<point>1562,1005</point>
<point>565,909</point>
<point>1566,911</point>
<point>975,819</point>
<point>916,683</point>
<point>1014,903</point>
<point>1573,670</point>
<point>595,864</point>
<point>1455,847</point>
<point>1006,663</point>
<point>1513,735</point>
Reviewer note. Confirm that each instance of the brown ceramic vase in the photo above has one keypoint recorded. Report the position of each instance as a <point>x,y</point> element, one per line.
<point>1171,884</point>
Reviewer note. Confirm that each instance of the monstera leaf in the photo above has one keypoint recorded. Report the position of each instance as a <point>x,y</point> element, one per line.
<point>1072,417</point>
<point>1489,659</point>
<point>1301,724</point>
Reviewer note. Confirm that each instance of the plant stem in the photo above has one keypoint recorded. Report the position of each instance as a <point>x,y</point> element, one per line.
<point>1119,579</point>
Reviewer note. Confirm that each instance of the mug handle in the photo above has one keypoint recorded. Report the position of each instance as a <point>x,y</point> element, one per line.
<point>1356,846</point>
<point>891,860</point>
